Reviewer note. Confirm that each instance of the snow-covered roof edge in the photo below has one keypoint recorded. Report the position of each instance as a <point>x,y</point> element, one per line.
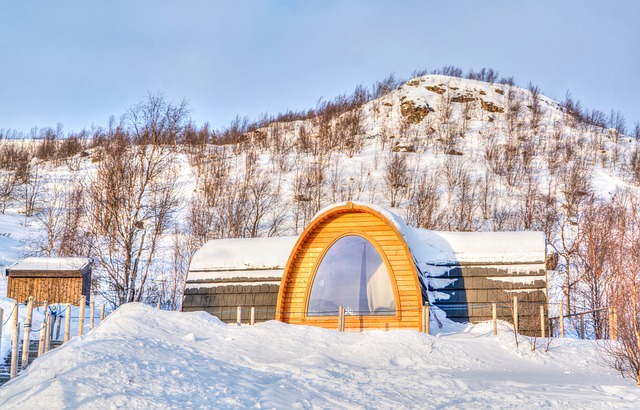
<point>259,257</point>
<point>247,254</point>
<point>50,264</point>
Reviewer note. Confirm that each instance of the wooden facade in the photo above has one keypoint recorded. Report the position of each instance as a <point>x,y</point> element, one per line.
<point>317,239</point>
<point>223,301</point>
<point>50,279</point>
<point>460,273</point>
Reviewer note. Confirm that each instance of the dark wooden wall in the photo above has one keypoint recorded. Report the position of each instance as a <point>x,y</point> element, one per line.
<point>471,294</point>
<point>222,301</point>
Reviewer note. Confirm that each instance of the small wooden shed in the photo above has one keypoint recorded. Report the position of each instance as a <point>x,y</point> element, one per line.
<point>56,280</point>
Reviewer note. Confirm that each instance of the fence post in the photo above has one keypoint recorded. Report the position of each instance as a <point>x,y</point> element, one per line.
<point>426,318</point>
<point>44,331</point>
<point>515,314</point>
<point>561,319</point>
<point>253,315</point>
<point>582,326</point>
<point>239,316</point>
<point>341,318</point>
<point>614,330</point>
<point>158,306</point>
<point>67,324</point>
<point>50,325</point>
<point>542,322</point>
<point>494,312</point>
<point>92,312</point>
<point>27,333</point>
<point>102,315</point>
<point>15,338</point>
<point>83,302</point>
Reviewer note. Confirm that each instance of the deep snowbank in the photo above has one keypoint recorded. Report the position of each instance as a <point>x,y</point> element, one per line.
<point>144,358</point>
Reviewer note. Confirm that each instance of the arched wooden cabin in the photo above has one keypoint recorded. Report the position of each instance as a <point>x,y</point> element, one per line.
<point>365,259</point>
<point>351,256</point>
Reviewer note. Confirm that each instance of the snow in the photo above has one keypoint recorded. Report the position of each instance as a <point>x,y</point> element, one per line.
<point>145,358</point>
<point>428,247</point>
<point>46,264</point>
<point>142,358</point>
<point>454,248</point>
<point>245,253</point>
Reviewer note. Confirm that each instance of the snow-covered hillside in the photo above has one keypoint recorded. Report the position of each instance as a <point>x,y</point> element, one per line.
<point>444,153</point>
<point>142,358</point>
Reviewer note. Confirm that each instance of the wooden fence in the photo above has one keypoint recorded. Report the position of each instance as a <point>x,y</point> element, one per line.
<point>538,323</point>
<point>53,317</point>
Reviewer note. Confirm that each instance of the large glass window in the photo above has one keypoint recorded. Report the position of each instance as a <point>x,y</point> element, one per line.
<point>353,275</point>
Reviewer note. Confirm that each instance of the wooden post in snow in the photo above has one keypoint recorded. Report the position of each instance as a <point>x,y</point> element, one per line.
<point>253,315</point>
<point>582,326</point>
<point>102,315</point>
<point>542,321</point>
<point>27,333</point>
<point>92,312</point>
<point>83,302</point>
<point>515,314</point>
<point>561,319</point>
<point>158,306</point>
<point>494,312</point>
<point>15,339</point>
<point>50,325</point>
<point>239,316</point>
<point>67,324</point>
<point>44,330</point>
<point>425,318</point>
<point>341,318</point>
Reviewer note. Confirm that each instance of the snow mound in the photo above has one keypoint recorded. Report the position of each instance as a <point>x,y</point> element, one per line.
<point>142,358</point>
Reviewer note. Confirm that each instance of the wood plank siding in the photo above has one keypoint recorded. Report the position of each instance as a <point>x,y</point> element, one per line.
<point>317,238</point>
<point>53,286</point>
<point>51,289</point>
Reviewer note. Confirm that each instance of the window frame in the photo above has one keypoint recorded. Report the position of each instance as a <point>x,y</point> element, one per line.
<point>390,274</point>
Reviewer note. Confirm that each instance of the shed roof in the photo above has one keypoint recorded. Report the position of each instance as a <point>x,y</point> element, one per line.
<point>50,264</point>
<point>219,255</point>
<point>260,257</point>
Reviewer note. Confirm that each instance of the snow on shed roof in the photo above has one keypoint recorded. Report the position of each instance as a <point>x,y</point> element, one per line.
<point>50,264</point>
<point>459,248</point>
<point>267,257</point>
<point>243,254</point>
<point>453,248</point>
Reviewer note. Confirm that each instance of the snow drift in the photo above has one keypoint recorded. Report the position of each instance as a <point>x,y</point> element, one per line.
<point>142,358</point>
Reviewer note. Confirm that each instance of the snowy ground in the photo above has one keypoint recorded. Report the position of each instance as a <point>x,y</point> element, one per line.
<point>142,358</point>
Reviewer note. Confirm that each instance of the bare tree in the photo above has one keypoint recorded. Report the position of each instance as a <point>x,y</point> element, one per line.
<point>396,177</point>
<point>625,289</point>
<point>50,219</point>
<point>132,200</point>
<point>422,210</point>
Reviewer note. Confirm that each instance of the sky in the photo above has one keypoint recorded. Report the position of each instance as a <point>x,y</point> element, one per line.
<point>77,63</point>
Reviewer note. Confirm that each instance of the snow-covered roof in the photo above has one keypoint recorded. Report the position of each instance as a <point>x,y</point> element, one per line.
<point>462,248</point>
<point>254,254</point>
<point>454,248</point>
<point>50,264</point>
<point>263,258</point>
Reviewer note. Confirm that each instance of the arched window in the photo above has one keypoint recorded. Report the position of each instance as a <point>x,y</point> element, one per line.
<point>353,275</point>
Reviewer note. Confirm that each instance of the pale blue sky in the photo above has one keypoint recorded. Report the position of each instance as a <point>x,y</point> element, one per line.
<point>79,62</point>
